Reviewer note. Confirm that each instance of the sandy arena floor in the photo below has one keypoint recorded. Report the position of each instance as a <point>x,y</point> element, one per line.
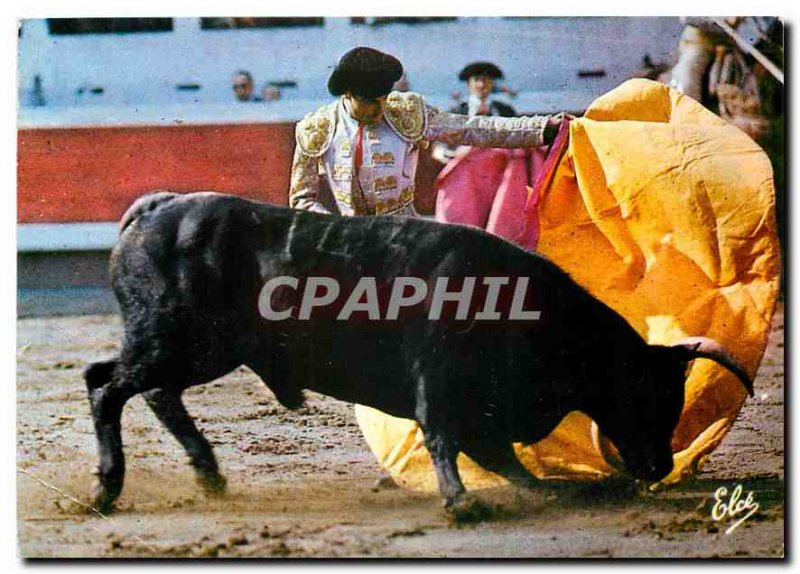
<point>301,483</point>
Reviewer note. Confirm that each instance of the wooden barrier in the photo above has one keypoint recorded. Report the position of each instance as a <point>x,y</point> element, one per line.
<point>92,174</point>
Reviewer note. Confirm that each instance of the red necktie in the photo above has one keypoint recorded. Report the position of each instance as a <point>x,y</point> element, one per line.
<point>359,151</point>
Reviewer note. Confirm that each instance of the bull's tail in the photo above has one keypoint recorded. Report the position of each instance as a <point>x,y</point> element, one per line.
<point>144,204</point>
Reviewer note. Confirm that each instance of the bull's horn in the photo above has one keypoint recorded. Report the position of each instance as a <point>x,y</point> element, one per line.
<point>604,447</point>
<point>711,349</point>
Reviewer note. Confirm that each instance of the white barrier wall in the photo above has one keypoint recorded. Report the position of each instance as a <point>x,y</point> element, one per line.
<point>540,56</point>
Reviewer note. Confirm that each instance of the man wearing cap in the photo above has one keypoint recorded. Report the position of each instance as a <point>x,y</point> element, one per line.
<point>481,78</point>
<point>487,188</point>
<point>367,142</point>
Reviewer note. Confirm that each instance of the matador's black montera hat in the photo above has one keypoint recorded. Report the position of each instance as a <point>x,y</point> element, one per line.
<point>366,73</point>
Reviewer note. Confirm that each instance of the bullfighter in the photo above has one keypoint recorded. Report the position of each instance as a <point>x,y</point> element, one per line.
<point>480,78</point>
<point>367,142</point>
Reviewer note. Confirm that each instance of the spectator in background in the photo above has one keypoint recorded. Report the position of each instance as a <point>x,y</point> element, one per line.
<point>487,187</point>
<point>270,93</point>
<point>242,84</point>
<point>481,78</point>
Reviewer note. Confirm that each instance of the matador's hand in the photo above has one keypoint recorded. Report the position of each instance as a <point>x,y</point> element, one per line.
<point>553,124</point>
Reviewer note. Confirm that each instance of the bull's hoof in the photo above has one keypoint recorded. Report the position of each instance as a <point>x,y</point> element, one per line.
<point>102,499</point>
<point>213,483</point>
<point>467,509</point>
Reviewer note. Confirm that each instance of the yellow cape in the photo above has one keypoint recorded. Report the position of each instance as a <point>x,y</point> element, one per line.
<point>666,213</point>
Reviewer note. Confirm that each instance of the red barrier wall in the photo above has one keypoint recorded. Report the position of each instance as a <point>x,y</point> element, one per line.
<point>94,173</point>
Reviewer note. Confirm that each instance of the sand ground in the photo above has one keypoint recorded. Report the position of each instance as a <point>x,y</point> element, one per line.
<point>301,482</point>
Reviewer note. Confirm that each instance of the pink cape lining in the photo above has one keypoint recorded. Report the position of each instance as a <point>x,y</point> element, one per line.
<point>498,189</point>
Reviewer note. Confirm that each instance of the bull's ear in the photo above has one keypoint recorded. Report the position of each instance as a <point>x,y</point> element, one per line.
<point>703,347</point>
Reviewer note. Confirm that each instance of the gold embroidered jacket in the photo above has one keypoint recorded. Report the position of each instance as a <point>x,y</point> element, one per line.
<point>326,143</point>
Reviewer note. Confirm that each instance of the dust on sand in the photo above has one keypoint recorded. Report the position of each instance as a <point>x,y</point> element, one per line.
<point>301,483</point>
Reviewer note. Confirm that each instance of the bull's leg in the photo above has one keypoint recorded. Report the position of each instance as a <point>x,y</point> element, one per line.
<point>499,457</point>
<point>170,410</point>
<point>438,428</point>
<point>107,397</point>
<point>457,502</point>
<point>275,374</point>
<point>437,416</point>
<point>443,455</point>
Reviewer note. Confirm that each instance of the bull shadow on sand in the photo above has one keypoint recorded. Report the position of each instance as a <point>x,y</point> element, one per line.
<point>554,497</point>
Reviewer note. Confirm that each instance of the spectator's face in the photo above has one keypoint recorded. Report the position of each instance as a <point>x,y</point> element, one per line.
<point>364,110</point>
<point>481,86</point>
<point>271,93</point>
<point>242,87</point>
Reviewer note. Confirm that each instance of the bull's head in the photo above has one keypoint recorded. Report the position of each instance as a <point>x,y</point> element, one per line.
<point>642,423</point>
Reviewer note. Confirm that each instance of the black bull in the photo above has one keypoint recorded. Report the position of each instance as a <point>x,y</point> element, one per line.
<point>188,270</point>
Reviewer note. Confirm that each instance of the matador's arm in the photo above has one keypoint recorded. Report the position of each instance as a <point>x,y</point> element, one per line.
<point>304,186</point>
<point>485,131</point>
